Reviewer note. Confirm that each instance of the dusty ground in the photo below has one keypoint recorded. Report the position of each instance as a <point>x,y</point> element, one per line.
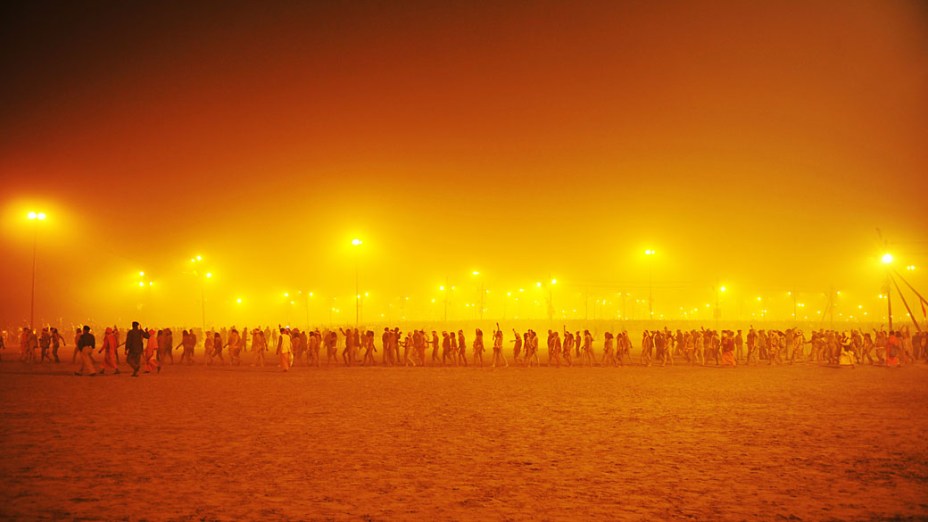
<point>444,444</point>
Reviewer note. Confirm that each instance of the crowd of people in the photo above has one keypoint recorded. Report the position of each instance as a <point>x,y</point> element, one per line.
<point>148,350</point>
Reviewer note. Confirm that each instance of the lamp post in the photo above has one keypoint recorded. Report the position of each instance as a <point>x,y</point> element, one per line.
<point>650,254</point>
<point>308,294</point>
<point>443,289</point>
<point>208,275</point>
<point>718,306</point>
<point>888,260</point>
<point>549,286</point>
<point>481,291</point>
<point>357,288</point>
<point>35,217</point>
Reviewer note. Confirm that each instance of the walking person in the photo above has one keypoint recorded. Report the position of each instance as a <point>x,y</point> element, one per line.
<point>151,352</point>
<point>134,347</point>
<point>110,354</point>
<point>284,349</point>
<point>85,345</point>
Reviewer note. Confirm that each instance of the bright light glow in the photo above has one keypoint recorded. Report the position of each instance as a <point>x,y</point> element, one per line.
<point>141,283</point>
<point>209,275</point>
<point>310,294</point>
<point>538,284</point>
<point>649,252</point>
<point>476,272</point>
<point>33,215</point>
<point>910,268</point>
<point>722,288</point>
<point>286,294</point>
<point>151,283</point>
<point>199,258</point>
<point>141,274</point>
<point>887,258</point>
<point>759,298</point>
<point>554,281</point>
<point>441,288</point>
<point>239,300</point>
<point>355,242</point>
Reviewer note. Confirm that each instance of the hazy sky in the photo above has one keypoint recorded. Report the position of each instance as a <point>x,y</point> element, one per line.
<point>753,144</point>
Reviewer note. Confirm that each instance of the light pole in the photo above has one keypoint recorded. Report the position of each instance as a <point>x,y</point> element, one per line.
<point>718,307</point>
<point>146,285</point>
<point>444,290</point>
<point>357,287</point>
<point>35,217</point>
<point>481,293</point>
<point>308,295</point>
<point>550,297</point>
<point>650,254</point>
<point>888,260</point>
<point>208,275</point>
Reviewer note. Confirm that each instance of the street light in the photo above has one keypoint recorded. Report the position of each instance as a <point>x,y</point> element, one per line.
<point>35,217</point>
<point>357,288</point>
<point>208,275</point>
<point>650,254</point>
<point>482,293</point>
<point>888,260</point>
<point>718,308</point>
<point>143,283</point>
<point>307,294</point>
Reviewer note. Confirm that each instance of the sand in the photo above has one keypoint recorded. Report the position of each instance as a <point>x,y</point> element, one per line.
<point>634,443</point>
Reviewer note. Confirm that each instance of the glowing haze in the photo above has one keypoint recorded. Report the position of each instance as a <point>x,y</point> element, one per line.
<point>755,145</point>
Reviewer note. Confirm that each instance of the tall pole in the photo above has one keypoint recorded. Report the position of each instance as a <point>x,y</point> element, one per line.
<point>889,302</point>
<point>650,291</point>
<point>357,289</point>
<point>446,298</point>
<point>483,293</point>
<point>203,303</point>
<point>35,249</point>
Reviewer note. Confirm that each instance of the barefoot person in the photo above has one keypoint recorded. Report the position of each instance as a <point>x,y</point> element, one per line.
<point>284,349</point>
<point>498,358</point>
<point>57,342</point>
<point>110,354</point>
<point>728,348</point>
<point>151,352</point>
<point>258,346</point>
<point>478,348</point>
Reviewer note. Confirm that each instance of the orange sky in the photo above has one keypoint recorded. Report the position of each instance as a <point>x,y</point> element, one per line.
<point>755,144</point>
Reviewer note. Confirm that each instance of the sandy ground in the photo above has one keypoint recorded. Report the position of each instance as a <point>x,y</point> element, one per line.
<point>195,443</point>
